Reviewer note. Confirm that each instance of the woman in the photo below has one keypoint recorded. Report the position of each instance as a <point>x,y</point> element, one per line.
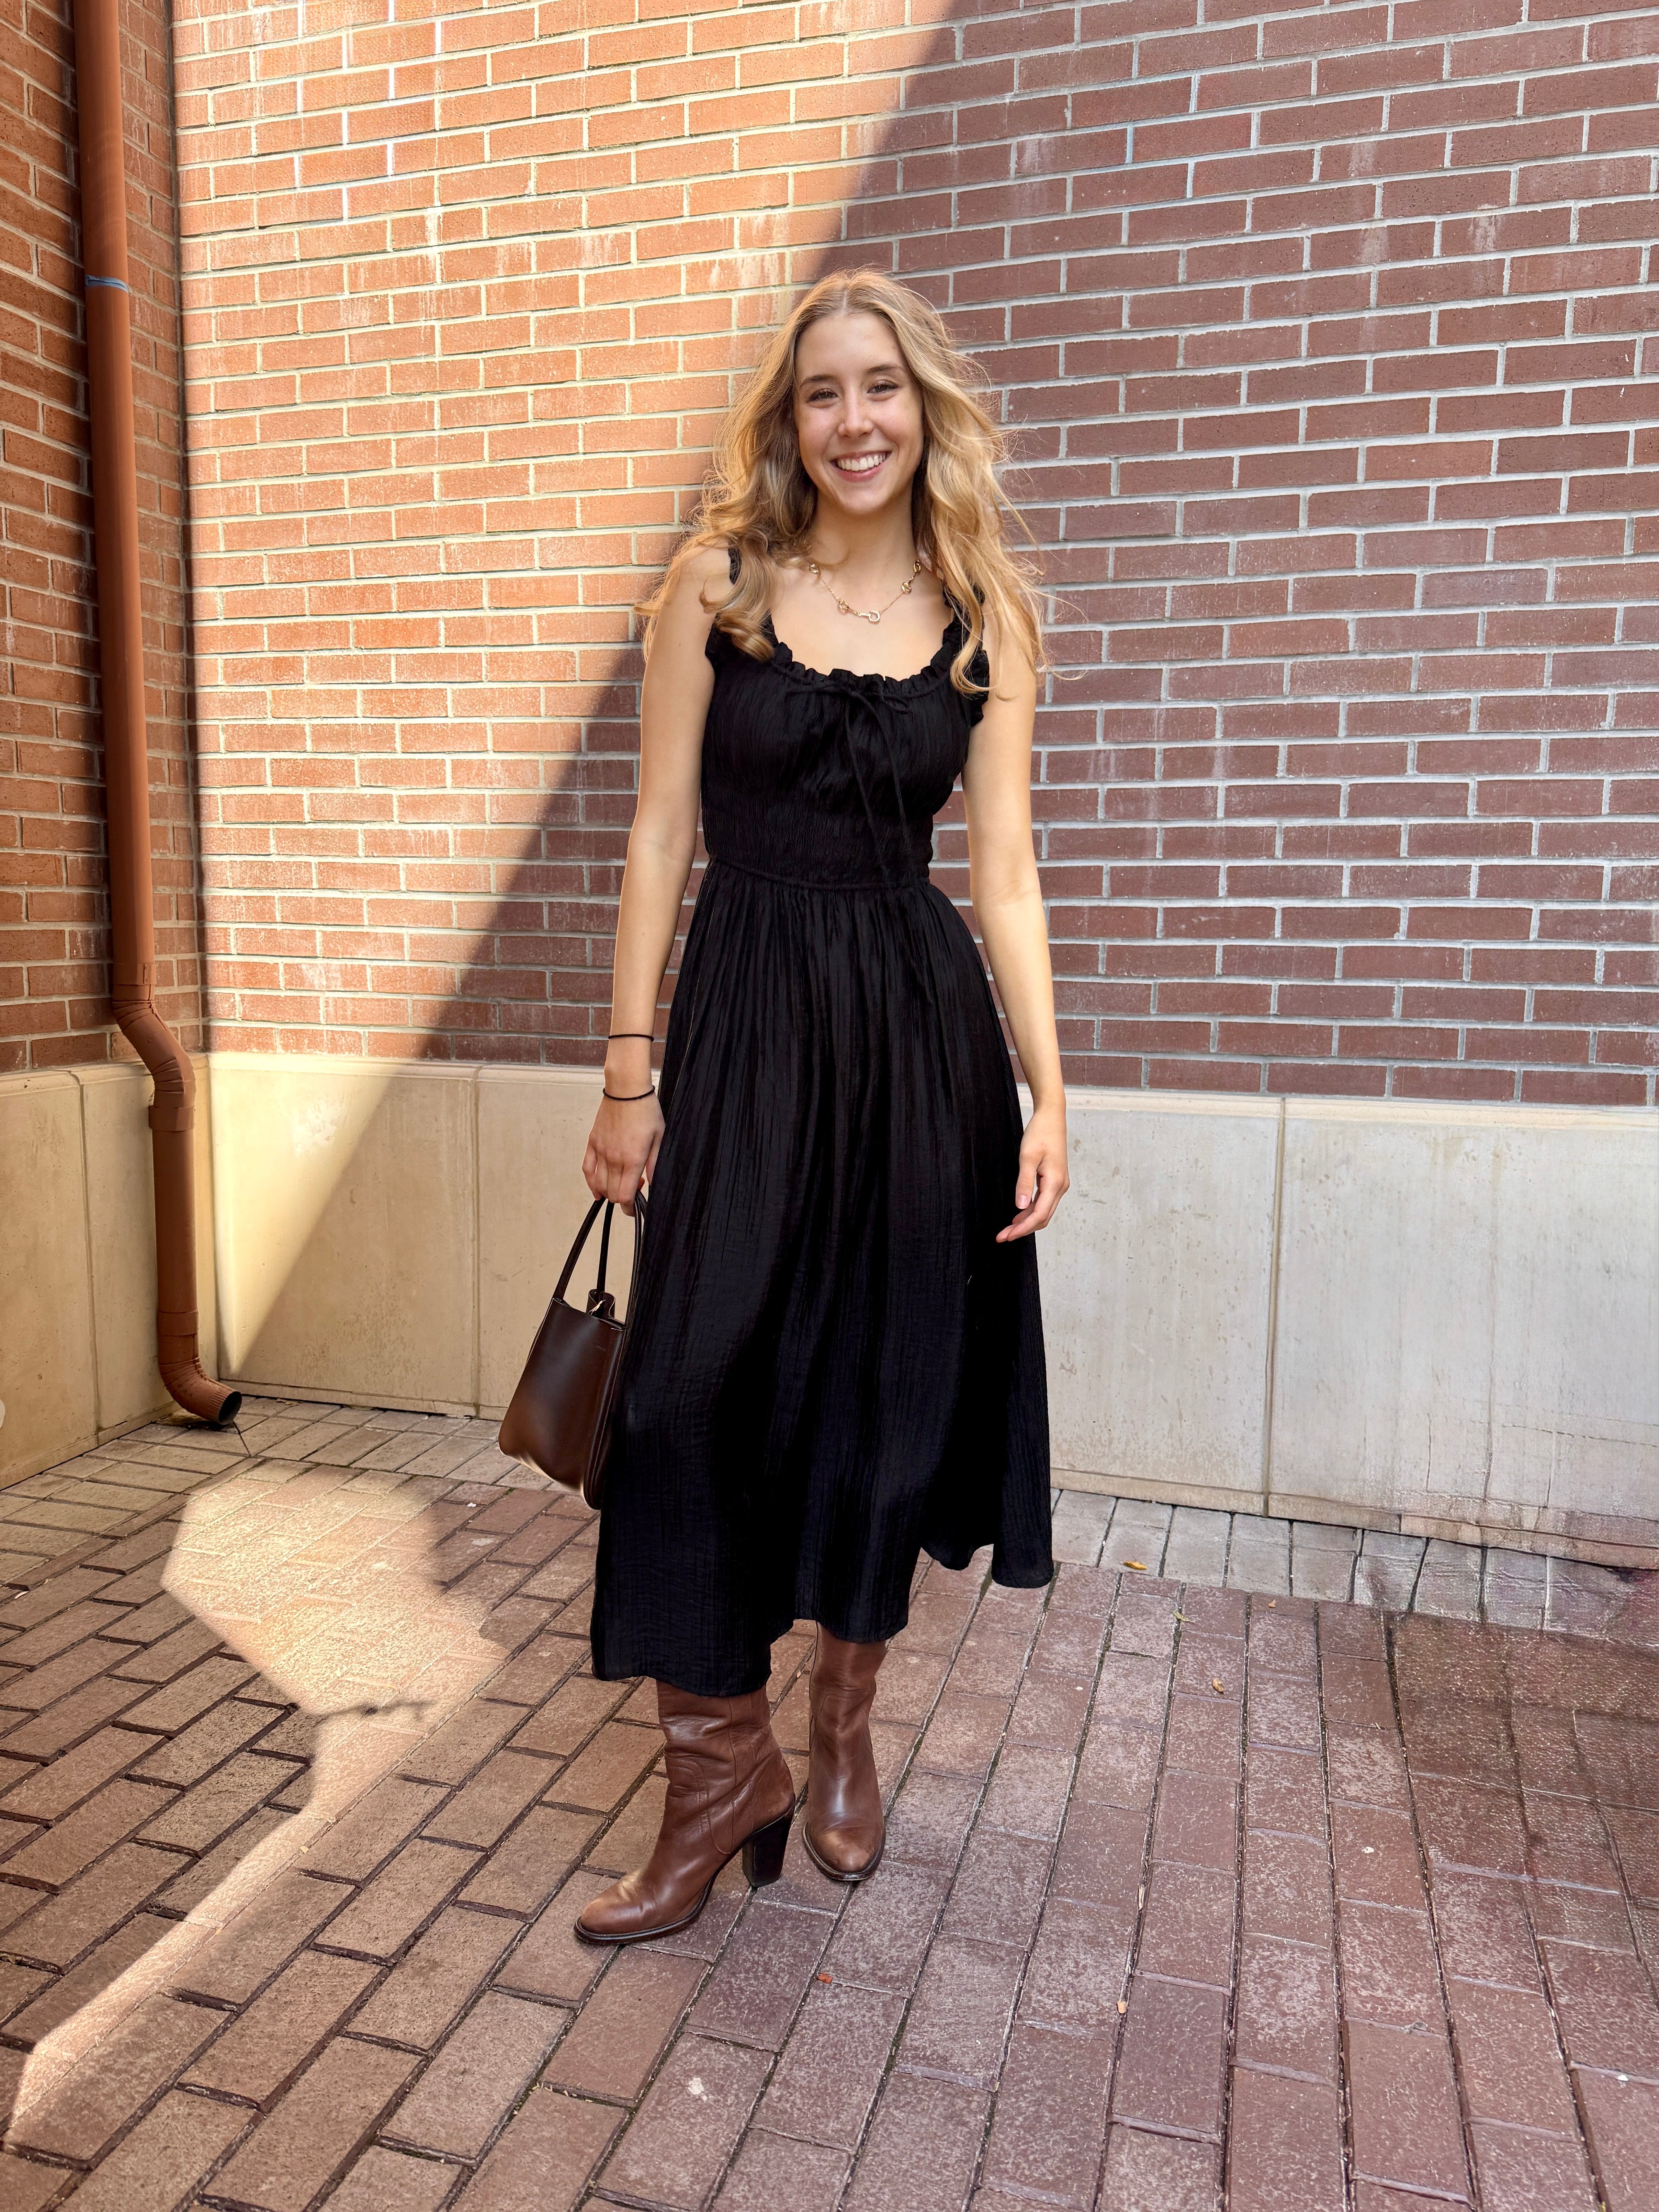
<point>835,1354</point>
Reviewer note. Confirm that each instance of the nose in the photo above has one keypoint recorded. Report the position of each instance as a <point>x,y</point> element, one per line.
<point>855,416</point>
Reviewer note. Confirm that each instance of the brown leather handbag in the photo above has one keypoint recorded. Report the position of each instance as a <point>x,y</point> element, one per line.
<point>559,1421</point>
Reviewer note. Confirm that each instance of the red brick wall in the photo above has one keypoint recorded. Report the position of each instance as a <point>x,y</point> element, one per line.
<point>1322,331</point>
<point>54,974</point>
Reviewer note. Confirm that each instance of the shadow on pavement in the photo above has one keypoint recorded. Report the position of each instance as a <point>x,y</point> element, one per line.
<point>312,1628</point>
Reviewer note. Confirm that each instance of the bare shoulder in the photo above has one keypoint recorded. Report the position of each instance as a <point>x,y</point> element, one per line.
<point>685,614</point>
<point>706,578</point>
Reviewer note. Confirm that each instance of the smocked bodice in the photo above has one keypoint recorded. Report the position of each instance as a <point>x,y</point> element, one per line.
<point>830,778</point>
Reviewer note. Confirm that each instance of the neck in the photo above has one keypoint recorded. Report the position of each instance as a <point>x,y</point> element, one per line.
<point>854,546</point>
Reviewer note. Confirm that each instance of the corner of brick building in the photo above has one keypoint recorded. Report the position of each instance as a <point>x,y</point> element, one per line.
<point>54,951</point>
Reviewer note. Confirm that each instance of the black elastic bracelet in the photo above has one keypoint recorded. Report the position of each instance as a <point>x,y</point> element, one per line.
<point>646,1034</point>
<point>629,1098</point>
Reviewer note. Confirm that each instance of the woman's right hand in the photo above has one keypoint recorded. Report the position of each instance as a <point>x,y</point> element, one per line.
<point>622,1149</point>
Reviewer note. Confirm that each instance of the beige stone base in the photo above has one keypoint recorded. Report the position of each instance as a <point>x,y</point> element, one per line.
<point>77,1261</point>
<point>1439,1320</point>
<point>390,1236</point>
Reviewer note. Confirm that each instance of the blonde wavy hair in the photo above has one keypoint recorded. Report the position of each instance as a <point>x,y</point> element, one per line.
<point>760,501</point>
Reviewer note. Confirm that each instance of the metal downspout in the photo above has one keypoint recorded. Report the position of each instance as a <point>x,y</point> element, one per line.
<point>121,663</point>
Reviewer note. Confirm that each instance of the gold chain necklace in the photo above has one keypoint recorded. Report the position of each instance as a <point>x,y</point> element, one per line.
<point>865,614</point>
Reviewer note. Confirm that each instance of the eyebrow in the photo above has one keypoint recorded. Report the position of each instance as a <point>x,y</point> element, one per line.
<point>879,368</point>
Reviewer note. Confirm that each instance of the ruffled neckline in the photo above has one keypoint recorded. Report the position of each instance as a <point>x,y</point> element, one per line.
<point>836,679</point>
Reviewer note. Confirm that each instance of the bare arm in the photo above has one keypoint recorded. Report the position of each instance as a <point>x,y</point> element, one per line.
<point>1007,899</point>
<point>674,704</point>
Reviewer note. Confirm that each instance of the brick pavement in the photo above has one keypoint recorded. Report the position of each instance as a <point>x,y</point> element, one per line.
<point>1190,1887</point>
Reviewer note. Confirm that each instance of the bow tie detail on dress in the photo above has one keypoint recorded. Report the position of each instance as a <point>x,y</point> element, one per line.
<point>878,711</point>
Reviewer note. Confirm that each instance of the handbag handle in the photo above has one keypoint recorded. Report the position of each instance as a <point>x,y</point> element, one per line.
<point>610,1205</point>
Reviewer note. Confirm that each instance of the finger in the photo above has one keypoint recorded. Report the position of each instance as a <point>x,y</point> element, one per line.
<point>1023,1225</point>
<point>1043,1212</point>
<point>1033,1165</point>
<point>1055,1182</point>
<point>1039,1209</point>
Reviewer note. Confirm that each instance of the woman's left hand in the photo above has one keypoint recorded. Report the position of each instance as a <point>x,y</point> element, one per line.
<point>1043,1181</point>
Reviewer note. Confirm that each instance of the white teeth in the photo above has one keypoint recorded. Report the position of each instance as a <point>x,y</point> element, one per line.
<point>860,464</point>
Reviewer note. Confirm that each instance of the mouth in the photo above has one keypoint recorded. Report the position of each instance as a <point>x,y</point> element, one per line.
<point>858,465</point>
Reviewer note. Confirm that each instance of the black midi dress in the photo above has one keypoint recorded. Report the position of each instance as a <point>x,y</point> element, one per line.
<point>831,1364</point>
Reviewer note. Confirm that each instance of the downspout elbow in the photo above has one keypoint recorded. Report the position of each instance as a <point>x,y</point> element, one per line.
<point>188,1383</point>
<point>172,1121</point>
<point>174,1107</point>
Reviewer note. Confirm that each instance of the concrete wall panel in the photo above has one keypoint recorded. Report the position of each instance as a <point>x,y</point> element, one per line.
<point>1468,1331</point>
<point>1156,1277</point>
<point>346,1219</point>
<point>47,1368</point>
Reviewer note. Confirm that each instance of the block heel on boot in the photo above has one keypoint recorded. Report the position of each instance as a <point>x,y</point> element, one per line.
<point>762,1854</point>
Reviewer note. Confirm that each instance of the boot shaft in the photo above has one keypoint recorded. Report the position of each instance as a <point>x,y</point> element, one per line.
<point>843,1684</point>
<point>844,1826</point>
<point>719,1749</point>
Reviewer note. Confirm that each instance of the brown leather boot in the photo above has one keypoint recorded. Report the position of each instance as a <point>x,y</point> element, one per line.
<point>843,1830</point>
<point>729,1791</point>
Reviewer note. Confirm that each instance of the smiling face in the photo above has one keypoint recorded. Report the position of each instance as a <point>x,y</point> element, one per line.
<point>857,413</point>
